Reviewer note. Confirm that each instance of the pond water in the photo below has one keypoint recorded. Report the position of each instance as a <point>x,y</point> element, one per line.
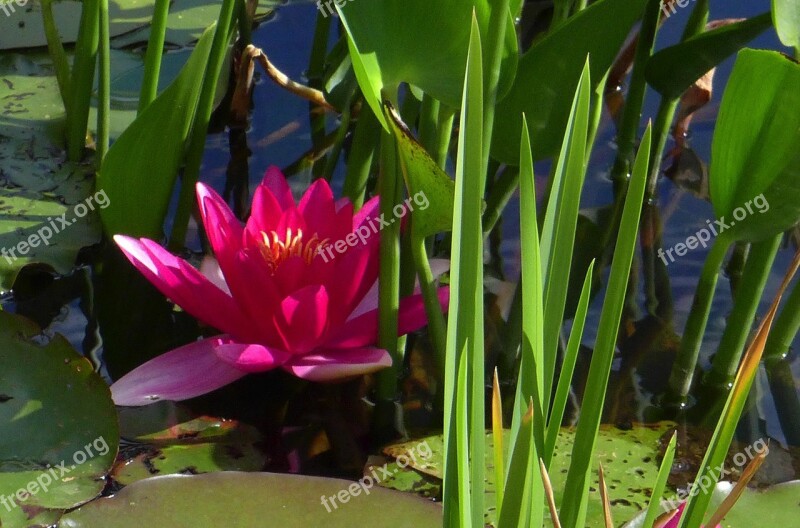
<point>279,134</point>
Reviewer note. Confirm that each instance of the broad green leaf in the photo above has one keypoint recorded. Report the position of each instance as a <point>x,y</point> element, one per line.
<point>254,499</point>
<point>54,409</point>
<point>786,14</point>
<point>575,491</point>
<point>425,179</point>
<point>140,169</point>
<point>549,72</point>
<point>201,445</point>
<point>672,70</point>
<point>418,42</point>
<point>754,176</point>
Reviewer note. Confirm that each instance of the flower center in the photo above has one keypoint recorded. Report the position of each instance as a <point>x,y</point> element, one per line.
<point>275,249</point>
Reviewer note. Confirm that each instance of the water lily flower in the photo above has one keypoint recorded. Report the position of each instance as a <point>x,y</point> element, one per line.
<point>278,303</point>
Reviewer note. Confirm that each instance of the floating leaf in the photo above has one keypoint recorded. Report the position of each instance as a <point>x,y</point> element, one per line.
<point>201,445</point>
<point>254,499</point>
<point>54,409</point>
<point>629,458</point>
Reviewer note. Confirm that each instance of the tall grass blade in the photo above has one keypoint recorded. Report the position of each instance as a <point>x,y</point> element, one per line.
<point>661,483</point>
<point>465,322</point>
<point>576,488</point>
<point>568,368</point>
<point>561,220</point>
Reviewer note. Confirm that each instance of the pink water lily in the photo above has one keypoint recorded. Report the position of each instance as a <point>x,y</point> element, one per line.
<point>278,302</point>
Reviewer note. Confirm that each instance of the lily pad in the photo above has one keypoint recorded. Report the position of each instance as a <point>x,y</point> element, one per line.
<point>129,22</point>
<point>253,499</point>
<point>773,506</point>
<point>201,445</point>
<point>58,427</point>
<point>628,457</point>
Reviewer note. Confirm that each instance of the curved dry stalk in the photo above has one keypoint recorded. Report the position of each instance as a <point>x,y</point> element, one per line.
<point>252,53</point>
<point>739,488</point>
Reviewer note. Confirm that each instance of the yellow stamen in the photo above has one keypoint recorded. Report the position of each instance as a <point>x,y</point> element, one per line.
<point>275,250</point>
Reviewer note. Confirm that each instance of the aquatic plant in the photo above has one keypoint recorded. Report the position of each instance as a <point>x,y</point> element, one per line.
<point>273,291</point>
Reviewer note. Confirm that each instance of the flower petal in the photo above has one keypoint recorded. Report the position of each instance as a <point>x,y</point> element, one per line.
<point>275,181</point>
<point>264,214</point>
<point>185,286</point>
<point>223,228</point>
<point>252,358</point>
<point>367,212</point>
<point>183,373</point>
<point>318,209</point>
<point>303,318</point>
<point>363,330</point>
<point>333,365</point>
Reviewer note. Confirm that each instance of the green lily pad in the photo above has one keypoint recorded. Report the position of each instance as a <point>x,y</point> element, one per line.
<point>129,22</point>
<point>201,445</point>
<point>776,506</point>
<point>628,458</point>
<point>58,426</point>
<point>23,27</point>
<point>253,499</point>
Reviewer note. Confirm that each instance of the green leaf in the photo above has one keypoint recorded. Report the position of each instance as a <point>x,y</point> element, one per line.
<point>253,499</point>
<point>140,169</point>
<point>661,483</point>
<point>629,457</point>
<point>560,224</point>
<point>422,175</point>
<point>130,22</point>
<point>608,327</point>
<point>201,445</point>
<point>53,408</point>
<point>786,15</point>
<point>418,42</point>
<point>754,176</point>
<point>674,69</point>
<point>549,71</point>
<point>465,322</point>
